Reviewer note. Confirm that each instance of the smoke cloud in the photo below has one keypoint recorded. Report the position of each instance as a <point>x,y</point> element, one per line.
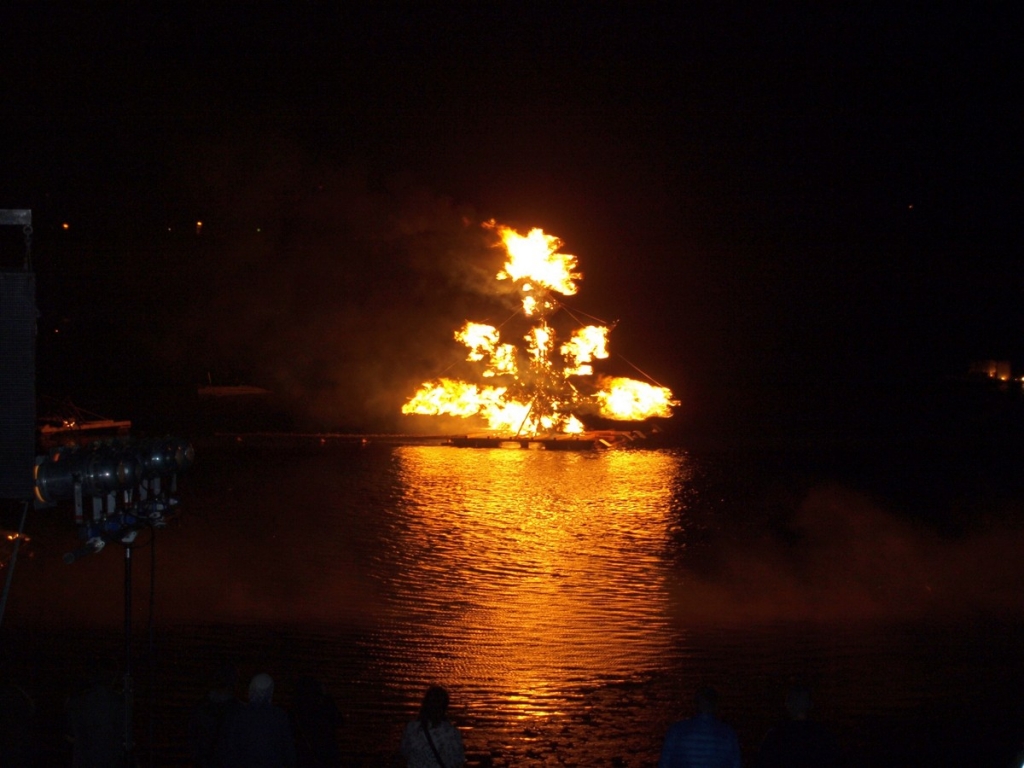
<point>336,289</point>
<point>843,556</point>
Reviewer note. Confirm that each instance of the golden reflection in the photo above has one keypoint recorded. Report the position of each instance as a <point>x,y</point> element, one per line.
<point>532,573</point>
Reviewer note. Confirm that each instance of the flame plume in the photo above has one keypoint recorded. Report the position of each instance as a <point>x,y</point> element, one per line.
<point>541,385</point>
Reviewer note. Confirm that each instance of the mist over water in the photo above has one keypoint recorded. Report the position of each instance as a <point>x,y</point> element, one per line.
<point>842,554</point>
<point>571,601</point>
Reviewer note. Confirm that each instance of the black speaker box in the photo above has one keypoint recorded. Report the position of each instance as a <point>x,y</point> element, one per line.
<point>18,316</point>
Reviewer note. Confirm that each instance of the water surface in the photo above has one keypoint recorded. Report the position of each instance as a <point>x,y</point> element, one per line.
<point>570,601</point>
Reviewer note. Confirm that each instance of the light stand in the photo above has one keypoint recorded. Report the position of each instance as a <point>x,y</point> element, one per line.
<point>124,480</point>
<point>129,744</point>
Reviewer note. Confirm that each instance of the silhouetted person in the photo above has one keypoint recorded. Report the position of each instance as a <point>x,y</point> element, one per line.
<point>799,742</point>
<point>431,741</point>
<point>702,741</point>
<point>315,723</point>
<point>208,724</point>
<point>96,720</point>
<point>259,735</point>
<point>17,712</point>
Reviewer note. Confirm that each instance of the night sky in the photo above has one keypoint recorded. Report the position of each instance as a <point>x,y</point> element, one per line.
<point>799,217</point>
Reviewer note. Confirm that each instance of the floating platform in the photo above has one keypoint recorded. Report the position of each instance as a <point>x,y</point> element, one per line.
<point>586,441</point>
<point>241,390</point>
<point>596,440</point>
<point>80,433</point>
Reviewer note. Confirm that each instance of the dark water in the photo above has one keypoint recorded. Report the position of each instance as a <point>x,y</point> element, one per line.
<point>571,602</point>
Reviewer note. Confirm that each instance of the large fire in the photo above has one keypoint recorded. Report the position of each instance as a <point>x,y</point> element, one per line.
<point>541,385</point>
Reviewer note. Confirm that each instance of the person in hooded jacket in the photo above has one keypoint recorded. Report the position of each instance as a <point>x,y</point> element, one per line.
<point>259,735</point>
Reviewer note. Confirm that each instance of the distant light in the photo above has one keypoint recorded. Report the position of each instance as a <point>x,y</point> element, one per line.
<point>910,207</point>
<point>65,225</point>
<point>199,227</point>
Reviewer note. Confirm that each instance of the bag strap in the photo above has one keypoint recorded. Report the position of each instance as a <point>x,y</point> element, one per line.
<point>430,741</point>
<point>304,734</point>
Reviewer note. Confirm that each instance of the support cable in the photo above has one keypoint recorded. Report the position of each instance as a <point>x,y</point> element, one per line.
<point>611,326</point>
<point>507,320</point>
<point>598,320</point>
<point>641,372</point>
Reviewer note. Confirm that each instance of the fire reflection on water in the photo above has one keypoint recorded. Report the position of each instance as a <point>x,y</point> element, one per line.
<point>570,601</point>
<point>528,574</point>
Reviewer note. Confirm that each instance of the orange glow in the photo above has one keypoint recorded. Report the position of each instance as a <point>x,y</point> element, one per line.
<point>543,385</point>
<point>536,257</point>
<point>631,400</point>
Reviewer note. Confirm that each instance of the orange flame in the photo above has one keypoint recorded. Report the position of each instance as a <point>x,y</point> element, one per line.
<point>483,343</point>
<point>536,257</point>
<point>535,395</point>
<point>586,343</point>
<point>631,400</point>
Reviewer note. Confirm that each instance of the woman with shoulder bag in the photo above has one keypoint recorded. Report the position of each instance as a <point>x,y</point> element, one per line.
<point>431,741</point>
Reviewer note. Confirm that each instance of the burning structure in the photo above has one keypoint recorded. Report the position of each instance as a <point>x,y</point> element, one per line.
<point>540,382</point>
